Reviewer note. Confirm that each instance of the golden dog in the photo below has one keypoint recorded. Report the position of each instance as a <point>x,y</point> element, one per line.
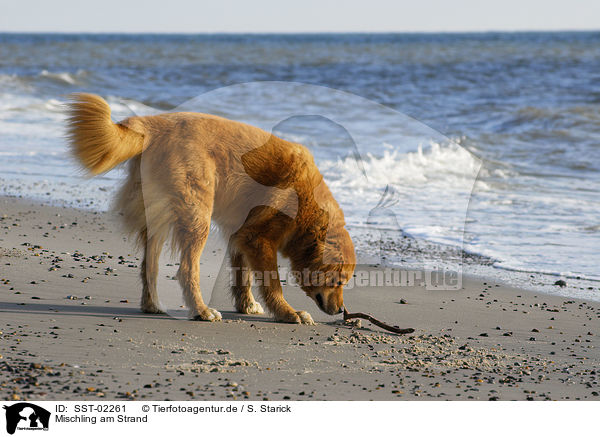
<point>266,194</point>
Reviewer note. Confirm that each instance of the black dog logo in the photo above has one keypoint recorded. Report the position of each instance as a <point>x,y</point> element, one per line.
<point>27,415</point>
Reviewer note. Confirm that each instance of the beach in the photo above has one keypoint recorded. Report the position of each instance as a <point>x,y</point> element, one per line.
<point>72,330</point>
<point>464,140</point>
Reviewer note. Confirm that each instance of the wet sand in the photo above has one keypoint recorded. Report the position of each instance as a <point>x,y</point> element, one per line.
<point>72,329</point>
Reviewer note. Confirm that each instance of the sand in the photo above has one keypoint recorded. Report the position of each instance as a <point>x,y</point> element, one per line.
<point>72,329</point>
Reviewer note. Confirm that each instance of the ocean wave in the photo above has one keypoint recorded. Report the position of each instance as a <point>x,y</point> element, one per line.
<point>25,104</point>
<point>30,103</point>
<point>30,153</point>
<point>122,107</point>
<point>27,82</point>
<point>64,77</point>
<point>550,121</point>
<point>449,165</point>
<point>505,265</point>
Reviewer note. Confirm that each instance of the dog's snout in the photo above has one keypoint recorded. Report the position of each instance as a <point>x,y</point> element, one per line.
<point>328,303</point>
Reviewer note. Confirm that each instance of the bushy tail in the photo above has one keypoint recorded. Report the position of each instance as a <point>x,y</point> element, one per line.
<point>97,142</point>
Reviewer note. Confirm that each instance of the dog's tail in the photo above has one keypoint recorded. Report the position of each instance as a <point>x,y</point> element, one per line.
<point>97,142</point>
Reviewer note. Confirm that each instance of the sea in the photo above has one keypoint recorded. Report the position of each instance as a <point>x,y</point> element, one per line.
<point>477,152</point>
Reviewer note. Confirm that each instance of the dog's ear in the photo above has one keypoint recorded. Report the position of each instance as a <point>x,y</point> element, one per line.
<point>275,163</point>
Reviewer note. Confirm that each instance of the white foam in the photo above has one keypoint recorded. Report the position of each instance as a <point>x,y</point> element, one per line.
<point>64,77</point>
<point>449,165</point>
<point>424,193</point>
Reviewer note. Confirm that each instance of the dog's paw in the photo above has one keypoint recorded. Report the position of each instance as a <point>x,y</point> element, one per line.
<point>208,315</point>
<point>299,317</point>
<point>305,318</point>
<point>251,308</point>
<point>152,309</point>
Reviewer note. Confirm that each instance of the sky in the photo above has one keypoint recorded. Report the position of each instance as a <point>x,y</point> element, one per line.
<point>269,16</point>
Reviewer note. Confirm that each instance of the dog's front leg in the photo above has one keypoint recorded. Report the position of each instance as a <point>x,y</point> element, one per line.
<point>262,257</point>
<point>241,287</point>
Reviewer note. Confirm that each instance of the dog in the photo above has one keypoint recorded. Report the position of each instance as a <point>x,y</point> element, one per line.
<point>187,170</point>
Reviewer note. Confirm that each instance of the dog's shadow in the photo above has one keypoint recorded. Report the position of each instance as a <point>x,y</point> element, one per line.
<point>115,313</point>
<point>74,310</point>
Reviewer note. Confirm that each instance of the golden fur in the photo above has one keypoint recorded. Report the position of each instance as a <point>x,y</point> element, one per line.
<point>266,195</point>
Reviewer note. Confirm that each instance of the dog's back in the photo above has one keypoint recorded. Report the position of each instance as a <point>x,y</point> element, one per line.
<point>243,165</point>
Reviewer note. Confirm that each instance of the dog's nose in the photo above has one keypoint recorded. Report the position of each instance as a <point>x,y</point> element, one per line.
<point>341,310</point>
<point>320,301</point>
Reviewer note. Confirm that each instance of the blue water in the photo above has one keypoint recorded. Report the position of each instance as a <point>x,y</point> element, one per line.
<point>493,144</point>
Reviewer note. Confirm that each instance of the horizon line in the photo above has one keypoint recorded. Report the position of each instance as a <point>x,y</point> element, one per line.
<point>324,32</point>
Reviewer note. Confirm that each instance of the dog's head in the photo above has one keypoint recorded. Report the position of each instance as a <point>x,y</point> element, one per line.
<point>324,280</point>
<point>330,296</point>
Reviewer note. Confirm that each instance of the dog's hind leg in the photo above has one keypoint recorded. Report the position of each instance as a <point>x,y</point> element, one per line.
<point>241,287</point>
<point>149,273</point>
<point>191,233</point>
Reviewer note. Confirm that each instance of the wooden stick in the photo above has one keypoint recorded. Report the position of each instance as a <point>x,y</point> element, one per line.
<point>373,320</point>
